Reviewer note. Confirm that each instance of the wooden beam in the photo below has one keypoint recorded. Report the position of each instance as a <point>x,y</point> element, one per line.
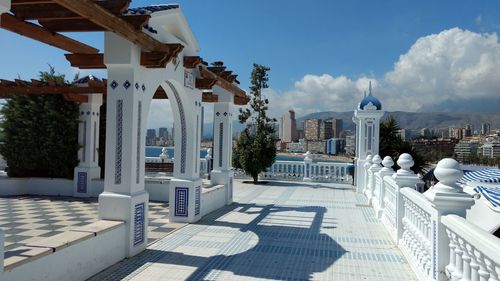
<point>82,25</point>
<point>209,97</point>
<point>216,69</point>
<point>205,73</point>
<point>205,83</point>
<point>192,61</point>
<point>54,11</point>
<point>76,98</point>
<point>160,59</point>
<point>241,100</point>
<point>30,2</point>
<point>51,90</point>
<point>43,35</point>
<point>102,17</point>
<point>86,61</point>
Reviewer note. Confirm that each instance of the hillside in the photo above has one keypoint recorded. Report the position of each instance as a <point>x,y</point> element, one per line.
<point>417,120</point>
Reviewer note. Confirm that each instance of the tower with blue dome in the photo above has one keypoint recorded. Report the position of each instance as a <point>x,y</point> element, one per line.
<point>367,119</point>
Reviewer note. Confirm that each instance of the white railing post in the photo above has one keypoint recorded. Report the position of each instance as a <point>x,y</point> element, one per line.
<point>448,198</point>
<point>387,170</point>
<point>208,157</point>
<point>366,166</point>
<point>308,167</point>
<point>404,177</point>
<point>374,168</point>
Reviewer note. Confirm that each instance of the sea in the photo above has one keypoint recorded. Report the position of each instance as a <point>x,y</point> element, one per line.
<point>155,151</point>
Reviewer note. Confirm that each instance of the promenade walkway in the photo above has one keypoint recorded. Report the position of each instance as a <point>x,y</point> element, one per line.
<point>280,231</point>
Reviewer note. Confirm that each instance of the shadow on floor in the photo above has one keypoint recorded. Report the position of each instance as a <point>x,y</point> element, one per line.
<point>288,244</point>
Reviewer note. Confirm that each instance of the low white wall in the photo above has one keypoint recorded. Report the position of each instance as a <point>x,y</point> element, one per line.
<point>158,190</point>
<point>212,198</point>
<point>76,262</point>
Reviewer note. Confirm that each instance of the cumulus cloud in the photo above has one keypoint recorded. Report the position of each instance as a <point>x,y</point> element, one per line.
<point>451,71</point>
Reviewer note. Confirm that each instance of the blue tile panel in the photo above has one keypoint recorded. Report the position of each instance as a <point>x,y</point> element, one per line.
<point>138,152</point>
<point>197,200</point>
<point>221,142</point>
<point>81,186</point>
<point>181,201</point>
<point>139,223</point>
<point>119,136</point>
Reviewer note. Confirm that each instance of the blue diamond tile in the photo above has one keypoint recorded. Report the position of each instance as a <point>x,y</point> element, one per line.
<point>225,113</point>
<point>136,86</point>
<point>114,84</point>
<point>143,88</point>
<point>126,84</point>
<point>218,114</point>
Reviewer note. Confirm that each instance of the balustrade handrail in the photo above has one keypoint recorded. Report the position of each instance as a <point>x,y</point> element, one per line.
<point>419,200</point>
<point>480,239</point>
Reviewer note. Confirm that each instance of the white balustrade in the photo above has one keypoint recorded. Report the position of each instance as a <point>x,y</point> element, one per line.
<point>379,191</point>
<point>374,168</point>
<point>391,194</point>
<point>318,171</point>
<point>474,254</point>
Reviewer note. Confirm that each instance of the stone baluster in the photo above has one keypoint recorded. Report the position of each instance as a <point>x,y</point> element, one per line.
<point>208,157</point>
<point>482,272</point>
<point>466,270</point>
<point>474,266</point>
<point>452,245</point>
<point>492,269</point>
<point>457,273</point>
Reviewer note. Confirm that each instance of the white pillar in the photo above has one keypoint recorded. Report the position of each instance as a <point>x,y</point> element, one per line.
<point>387,170</point>
<point>307,166</point>
<point>404,177</point>
<point>88,154</point>
<point>4,6</point>
<point>223,142</point>
<point>185,187</point>
<point>374,168</point>
<point>362,166</point>
<point>124,197</point>
<point>447,198</point>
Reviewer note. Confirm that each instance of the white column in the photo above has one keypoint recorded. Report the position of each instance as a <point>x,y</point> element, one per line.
<point>307,166</point>
<point>4,6</point>
<point>379,203</point>
<point>374,168</point>
<point>124,197</point>
<point>223,142</point>
<point>362,166</point>
<point>88,154</point>
<point>448,198</point>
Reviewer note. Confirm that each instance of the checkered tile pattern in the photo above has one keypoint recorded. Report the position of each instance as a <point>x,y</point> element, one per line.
<point>25,219</point>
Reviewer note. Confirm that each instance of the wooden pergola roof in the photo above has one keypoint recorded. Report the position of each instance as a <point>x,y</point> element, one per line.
<point>43,20</point>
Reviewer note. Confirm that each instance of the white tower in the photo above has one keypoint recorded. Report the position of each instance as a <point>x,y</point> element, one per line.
<point>367,119</point>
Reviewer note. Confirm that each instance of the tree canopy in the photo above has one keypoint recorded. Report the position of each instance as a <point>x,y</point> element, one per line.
<point>256,147</point>
<point>40,133</point>
<point>391,144</point>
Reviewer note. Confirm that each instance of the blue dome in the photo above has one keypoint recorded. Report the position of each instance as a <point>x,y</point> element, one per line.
<point>370,99</point>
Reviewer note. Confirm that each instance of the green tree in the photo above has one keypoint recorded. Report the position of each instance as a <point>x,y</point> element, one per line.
<point>255,149</point>
<point>391,144</point>
<point>41,133</point>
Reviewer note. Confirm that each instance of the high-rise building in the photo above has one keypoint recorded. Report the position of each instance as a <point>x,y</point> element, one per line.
<point>464,149</point>
<point>468,130</point>
<point>337,126</point>
<point>456,133</point>
<point>425,133</point>
<point>163,133</point>
<point>288,127</point>
<point>151,133</point>
<point>335,146</point>
<point>326,130</point>
<point>485,128</point>
<point>311,129</point>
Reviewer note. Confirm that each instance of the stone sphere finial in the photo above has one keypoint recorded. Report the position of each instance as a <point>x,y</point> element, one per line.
<point>376,160</point>
<point>388,162</point>
<point>405,161</point>
<point>448,172</point>
<point>369,158</point>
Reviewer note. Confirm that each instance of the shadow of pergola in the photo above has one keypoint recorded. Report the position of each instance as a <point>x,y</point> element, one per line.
<point>288,243</point>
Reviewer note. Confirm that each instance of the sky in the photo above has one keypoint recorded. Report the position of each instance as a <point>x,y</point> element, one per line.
<point>420,55</point>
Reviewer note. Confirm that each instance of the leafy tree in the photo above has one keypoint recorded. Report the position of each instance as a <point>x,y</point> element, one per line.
<point>391,144</point>
<point>256,147</point>
<point>41,133</point>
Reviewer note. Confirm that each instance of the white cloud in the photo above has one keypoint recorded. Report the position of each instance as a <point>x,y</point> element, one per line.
<point>455,67</point>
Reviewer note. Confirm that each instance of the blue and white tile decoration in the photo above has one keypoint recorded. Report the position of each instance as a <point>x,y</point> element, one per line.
<point>138,152</point>
<point>221,142</point>
<point>197,200</point>
<point>95,142</point>
<point>113,84</point>
<point>81,186</point>
<point>183,126</point>
<point>126,85</point>
<point>139,223</point>
<point>119,136</point>
<point>181,201</point>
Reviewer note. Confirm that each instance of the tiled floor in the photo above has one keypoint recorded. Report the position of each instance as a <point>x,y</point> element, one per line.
<point>282,231</point>
<point>25,219</point>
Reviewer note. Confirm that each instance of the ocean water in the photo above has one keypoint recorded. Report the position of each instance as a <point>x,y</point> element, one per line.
<point>155,151</point>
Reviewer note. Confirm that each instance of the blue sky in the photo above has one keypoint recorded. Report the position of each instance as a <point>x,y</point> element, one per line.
<point>320,46</point>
